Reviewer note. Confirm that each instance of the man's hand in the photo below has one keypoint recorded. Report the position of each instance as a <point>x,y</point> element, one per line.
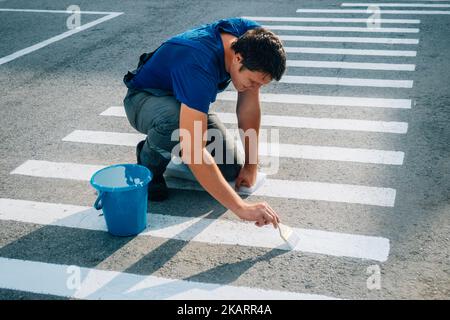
<point>260,212</point>
<point>247,176</point>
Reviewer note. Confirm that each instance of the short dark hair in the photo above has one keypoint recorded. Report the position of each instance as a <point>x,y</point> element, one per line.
<point>262,51</point>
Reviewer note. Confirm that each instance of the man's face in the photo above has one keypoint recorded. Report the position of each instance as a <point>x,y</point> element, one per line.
<point>245,79</point>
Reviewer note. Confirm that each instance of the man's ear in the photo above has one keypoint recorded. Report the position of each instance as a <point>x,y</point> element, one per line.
<point>238,58</point>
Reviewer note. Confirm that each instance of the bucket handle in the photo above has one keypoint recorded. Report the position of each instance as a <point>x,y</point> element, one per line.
<point>98,205</point>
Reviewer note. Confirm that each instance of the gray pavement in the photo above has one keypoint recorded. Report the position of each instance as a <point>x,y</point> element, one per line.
<point>48,93</point>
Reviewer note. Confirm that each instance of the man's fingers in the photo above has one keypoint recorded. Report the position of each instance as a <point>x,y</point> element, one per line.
<point>271,218</point>
<point>276,218</point>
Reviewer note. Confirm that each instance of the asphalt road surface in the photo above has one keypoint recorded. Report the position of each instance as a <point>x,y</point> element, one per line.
<point>364,172</point>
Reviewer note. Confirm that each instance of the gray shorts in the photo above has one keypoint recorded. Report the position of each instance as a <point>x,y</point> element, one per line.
<point>156,113</point>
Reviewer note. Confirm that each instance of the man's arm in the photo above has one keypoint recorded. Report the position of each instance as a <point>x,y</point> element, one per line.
<point>206,171</point>
<point>248,113</point>
<point>201,162</point>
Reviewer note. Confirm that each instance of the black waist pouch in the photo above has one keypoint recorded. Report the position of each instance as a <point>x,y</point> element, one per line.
<point>142,60</point>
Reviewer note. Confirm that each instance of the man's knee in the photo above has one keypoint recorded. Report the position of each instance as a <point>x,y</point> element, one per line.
<point>164,135</point>
<point>230,171</point>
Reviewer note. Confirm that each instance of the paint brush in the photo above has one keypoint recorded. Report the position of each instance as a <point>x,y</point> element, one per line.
<point>288,235</point>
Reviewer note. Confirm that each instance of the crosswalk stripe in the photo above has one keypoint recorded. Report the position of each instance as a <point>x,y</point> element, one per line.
<point>304,190</point>
<point>323,123</point>
<point>354,82</point>
<point>404,5</point>
<point>103,137</point>
<point>334,20</point>
<point>265,149</point>
<point>350,65</point>
<point>349,39</point>
<point>357,52</point>
<point>341,29</point>
<point>96,284</point>
<point>324,100</point>
<point>54,11</point>
<point>333,153</point>
<point>303,122</point>
<point>431,12</point>
<point>201,229</point>
<point>308,190</point>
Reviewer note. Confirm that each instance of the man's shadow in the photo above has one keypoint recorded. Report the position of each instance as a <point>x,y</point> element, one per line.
<point>160,256</point>
<point>65,245</point>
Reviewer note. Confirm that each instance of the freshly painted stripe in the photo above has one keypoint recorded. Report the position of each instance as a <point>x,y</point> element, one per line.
<point>341,20</point>
<point>305,190</point>
<point>302,122</point>
<point>350,65</point>
<point>275,150</point>
<point>57,11</point>
<point>354,82</point>
<point>324,100</point>
<point>96,284</point>
<point>431,12</point>
<point>357,52</point>
<point>205,230</point>
<point>342,29</point>
<point>404,5</point>
<point>349,39</point>
<point>61,36</point>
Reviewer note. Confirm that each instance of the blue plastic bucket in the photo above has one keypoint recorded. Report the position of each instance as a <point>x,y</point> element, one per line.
<point>122,196</point>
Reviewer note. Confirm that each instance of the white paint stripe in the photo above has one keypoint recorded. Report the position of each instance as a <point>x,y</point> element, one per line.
<point>359,52</point>
<point>324,123</point>
<point>114,112</point>
<point>64,35</point>
<point>322,191</point>
<point>332,153</point>
<point>354,82</point>
<point>98,284</point>
<point>302,122</point>
<point>338,20</point>
<point>274,150</point>
<point>350,65</point>
<point>404,5</point>
<point>59,170</point>
<point>57,11</point>
<point>205,230</point>
<point>381,11</point>
<point>342,29</point>
<point>349,39</point>
<point>304,190</point>
<point>324,100</point>
<point>104,137</point>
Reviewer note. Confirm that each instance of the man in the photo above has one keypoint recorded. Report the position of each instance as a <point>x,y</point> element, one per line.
<point>172,89</point>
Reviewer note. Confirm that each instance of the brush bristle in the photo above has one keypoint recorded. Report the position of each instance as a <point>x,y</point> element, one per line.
<point>288,235</point>
<point>285,231</point>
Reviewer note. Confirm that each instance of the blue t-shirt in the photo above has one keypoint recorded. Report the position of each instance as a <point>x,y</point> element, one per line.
<point>191,65</point>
